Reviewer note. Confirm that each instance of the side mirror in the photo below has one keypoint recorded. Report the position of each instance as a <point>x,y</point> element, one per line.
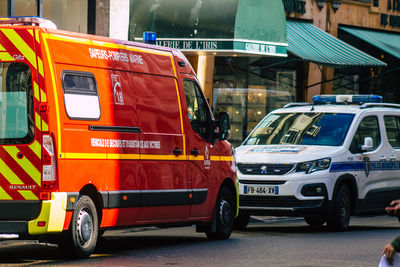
<point>224,124</point>
<point>368,144</point>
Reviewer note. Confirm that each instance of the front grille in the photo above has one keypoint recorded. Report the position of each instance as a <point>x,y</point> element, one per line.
<point>264,169</point>
<point>278,201</point>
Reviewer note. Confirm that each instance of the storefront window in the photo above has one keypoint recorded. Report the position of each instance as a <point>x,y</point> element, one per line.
<point>3,8</point>
<point>25,7</point>
<point>345,83</point>
<point>248,89</point>
<point>69,15</point>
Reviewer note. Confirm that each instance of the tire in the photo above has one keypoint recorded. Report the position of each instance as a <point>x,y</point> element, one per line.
<point>223,216</point>
<point>81,239</point>
<point>339,218</point>
<point>315,221</point>
<point>241,221</point>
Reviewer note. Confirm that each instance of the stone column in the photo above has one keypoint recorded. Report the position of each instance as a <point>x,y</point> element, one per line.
<point>205,74</point>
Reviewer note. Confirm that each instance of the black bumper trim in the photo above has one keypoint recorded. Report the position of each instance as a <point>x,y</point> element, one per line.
<point>13,227</point>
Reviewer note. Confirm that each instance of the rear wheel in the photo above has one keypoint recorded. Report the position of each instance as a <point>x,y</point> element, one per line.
<point>80,240</point>
<point>339,218</point>
<point>241,221</point>
<point>223,216</point>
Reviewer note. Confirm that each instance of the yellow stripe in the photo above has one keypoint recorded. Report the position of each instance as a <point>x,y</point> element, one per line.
<point>123,156</point>
<point>37,37</point>
<point>4,56</point>
<point>28,195</point>
<point>53,81</point>
<point>36,91</point>
<point>226,158</point>
<point>2,48</point>
<point>45,127</point>
<point>30,32</point>
<point>24,163</point>
<point>11,177</point>
<point>4,195</point>
<point>162,157</point>
<point>37,121</point>
<point>20,44</point>
<point>40,66</point>
<point>67,39</point>
<point>36,148</point>
<point>180,116</point>
<point>214,158</point>
<point>84,155</point>
<point>191,157</point>
<point>43,96</point>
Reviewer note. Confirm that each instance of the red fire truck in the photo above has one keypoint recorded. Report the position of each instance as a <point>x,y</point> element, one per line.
<point>97,133</point>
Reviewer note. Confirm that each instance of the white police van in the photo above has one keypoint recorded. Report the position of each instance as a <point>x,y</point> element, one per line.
<point>324,161</point>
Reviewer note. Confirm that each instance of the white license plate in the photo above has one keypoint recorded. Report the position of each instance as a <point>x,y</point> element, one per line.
<point>263,190</point>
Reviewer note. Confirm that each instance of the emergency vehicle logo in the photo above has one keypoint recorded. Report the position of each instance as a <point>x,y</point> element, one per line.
<point>207,161</point>
<point>367,166</point>
<point>118,95</point>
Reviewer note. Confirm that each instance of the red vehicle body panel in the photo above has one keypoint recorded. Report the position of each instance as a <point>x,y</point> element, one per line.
<point>135,158</point>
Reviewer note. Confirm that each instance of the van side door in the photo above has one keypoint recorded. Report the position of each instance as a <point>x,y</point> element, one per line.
<point>202,170</point>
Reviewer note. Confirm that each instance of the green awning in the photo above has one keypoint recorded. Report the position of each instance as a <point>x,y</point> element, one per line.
<point>388,42</point>
<point>223,26</point>
<point>313,44</point>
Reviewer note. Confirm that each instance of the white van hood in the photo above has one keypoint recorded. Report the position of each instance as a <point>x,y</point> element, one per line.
<point>284,153</point>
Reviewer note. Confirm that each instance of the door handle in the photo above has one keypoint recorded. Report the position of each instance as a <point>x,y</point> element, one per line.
<point>177,151</point>
<point>195,152</point>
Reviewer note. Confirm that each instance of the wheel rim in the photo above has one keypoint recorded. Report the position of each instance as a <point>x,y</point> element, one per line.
<point>344,209</point>
<point>84,227</point>
<point>225,213</point>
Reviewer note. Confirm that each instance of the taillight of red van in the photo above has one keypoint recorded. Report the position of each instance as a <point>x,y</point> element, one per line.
<point>49,165</point>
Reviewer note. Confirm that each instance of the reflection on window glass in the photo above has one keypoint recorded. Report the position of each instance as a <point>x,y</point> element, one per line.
<point>25,7</point>
<point>368,127</point>
<point>392,125</point>
<point>79,84</point>
<point>16,104</point>
<point>301,128</point>
<point>69,15</point>
<point>3,8</point>
<point>248,90</point>
<point>197,109</point>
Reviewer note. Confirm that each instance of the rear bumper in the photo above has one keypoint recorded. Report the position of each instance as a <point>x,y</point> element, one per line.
<point>50,219</point>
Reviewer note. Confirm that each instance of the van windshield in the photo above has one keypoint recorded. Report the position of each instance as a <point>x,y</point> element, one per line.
<point>16,104</point>
<point>323,129</point>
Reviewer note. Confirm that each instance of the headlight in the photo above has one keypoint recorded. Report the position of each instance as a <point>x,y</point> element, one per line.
<point>314,165</point>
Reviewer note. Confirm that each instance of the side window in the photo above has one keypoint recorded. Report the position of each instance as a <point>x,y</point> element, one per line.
<point>199,115</point>
<point>80,95</point>
<point>16,104</point>
<point>392,125</point>
<point>368,127</point>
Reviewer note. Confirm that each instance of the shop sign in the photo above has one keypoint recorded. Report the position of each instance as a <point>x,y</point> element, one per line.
<point>296,6</point>
<point>220,45</point>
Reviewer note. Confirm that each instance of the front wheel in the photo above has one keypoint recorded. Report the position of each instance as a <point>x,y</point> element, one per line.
<point>339,218</point>
<point>223,216</point>
<point>80,240</point>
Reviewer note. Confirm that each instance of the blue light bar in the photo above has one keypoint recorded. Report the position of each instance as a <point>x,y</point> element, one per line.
<point>149,37</point>
<point>351,99</point>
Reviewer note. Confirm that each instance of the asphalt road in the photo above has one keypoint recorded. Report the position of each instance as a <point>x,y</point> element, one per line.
<point>266,242</point>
